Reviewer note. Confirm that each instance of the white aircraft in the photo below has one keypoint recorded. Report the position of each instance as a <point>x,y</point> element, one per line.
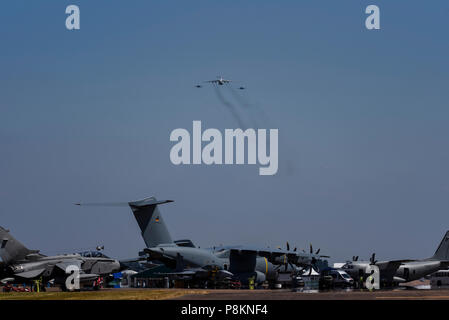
<point>220,81</point>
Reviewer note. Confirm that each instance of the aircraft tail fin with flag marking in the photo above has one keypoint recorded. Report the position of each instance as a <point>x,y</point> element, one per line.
<point>150,221</point>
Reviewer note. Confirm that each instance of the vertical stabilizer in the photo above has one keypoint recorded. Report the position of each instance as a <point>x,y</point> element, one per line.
<point>150,221</point>
<point>11,250</point>
<point>442,252</point>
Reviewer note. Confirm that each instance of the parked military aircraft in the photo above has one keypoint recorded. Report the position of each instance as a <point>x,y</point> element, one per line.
<point>393,272</point>
<point>242,262</point>
<point>19,264</point>
<point>198,273</point>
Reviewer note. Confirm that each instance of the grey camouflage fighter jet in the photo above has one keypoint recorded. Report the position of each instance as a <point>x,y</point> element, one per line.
<point>241,262</point>
<point>19,264</point>
<point>394,272</point>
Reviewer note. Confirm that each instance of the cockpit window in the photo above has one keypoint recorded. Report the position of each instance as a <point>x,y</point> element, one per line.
<point>92,254</point>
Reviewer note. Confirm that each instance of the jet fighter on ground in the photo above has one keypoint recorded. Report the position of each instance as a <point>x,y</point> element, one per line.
<point>19,264</point>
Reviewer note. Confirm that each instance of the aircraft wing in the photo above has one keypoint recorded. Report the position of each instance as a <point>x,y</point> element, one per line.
<point>211,81</point>
<point>34,256</point>
<point>30,274</point>
<point>63,265</point>
<point>200,273</point>
<point>186,273</point>
<point>391,263</point>
<point>273,255</point>
<point>137,259</point>
<point>84,277</point>
<point>263,252</point>
<point>388,268</point>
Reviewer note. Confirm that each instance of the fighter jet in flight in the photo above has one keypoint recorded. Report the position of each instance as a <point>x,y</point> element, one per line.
<point>394,272</point>
<point>19,264</point>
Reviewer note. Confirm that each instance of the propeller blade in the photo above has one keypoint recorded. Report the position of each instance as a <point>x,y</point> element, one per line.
<point>311,249</point>
<point>288,246</point>
<point>318,251</point>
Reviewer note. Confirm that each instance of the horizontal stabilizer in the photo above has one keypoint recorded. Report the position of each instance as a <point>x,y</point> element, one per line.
<point>30,274</point>
<point>148,202</point>
<point>138,204</point>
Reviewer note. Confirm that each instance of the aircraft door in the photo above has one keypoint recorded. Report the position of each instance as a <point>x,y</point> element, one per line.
<point>406,273</point>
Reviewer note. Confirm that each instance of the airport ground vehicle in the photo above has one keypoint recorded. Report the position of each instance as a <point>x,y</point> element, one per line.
<point>335,278</point>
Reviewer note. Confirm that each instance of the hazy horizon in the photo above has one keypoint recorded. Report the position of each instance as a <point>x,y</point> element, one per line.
<point>362,115</point>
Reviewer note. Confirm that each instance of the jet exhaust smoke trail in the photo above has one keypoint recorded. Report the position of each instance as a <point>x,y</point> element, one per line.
<point>260,119</point>
<point>230,107</point>
<point>102,204</point>
<point>239,98</point>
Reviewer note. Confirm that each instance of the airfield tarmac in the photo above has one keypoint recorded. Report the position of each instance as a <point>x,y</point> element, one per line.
<point>399,294</point>
<point>236,295</point>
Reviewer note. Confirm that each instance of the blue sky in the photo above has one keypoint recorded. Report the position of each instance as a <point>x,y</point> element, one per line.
<point>362,116</point>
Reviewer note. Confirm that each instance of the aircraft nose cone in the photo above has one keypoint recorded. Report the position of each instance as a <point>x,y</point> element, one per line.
<point>116,266</point>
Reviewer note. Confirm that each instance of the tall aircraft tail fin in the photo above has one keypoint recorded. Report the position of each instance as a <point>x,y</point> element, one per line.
<point>11,249</point>
<point>150,221</point>
<point>442,252</point>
